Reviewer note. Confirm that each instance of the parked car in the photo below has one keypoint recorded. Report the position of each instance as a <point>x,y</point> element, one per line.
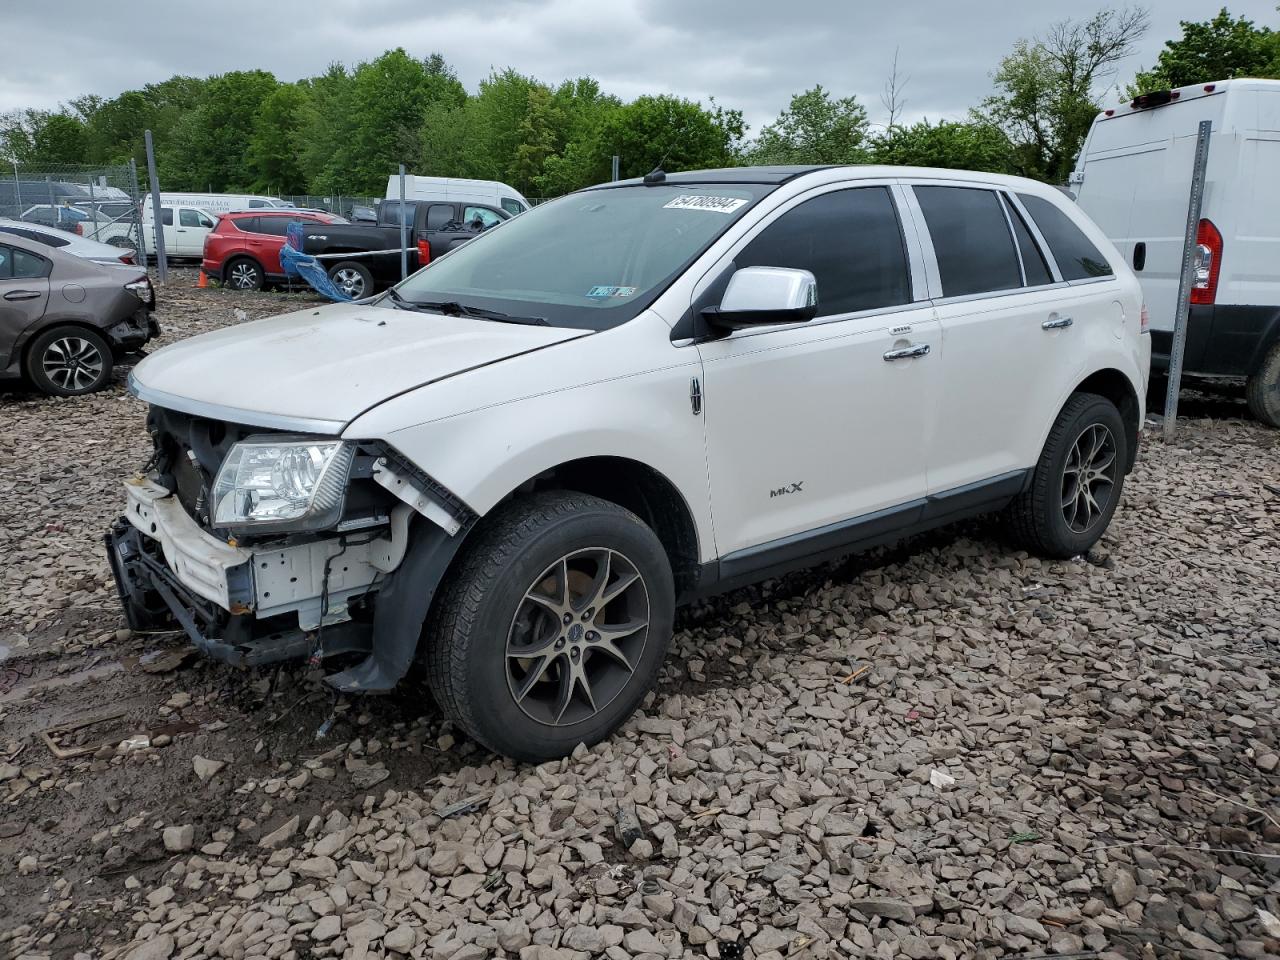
<point>68,242</point>
<point>243,251</point>
<point>486,193</point>
<point>514,465</point>
<point>1134,179</point>
<point>434,229</point>
<point>185,229</point>
<point>64,321</point>
<point>62,216</point>
<point>363,214</point>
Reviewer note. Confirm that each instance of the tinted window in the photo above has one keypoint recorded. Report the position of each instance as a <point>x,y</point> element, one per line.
<point>166,216</point>
<point>1033,264</point>
<point>28,265</point>
<point>1077,257</point>
<point>512,206</point>
<point>390,212</point>
<point>439,215</point>
<point>275,226</point>
<point>48,239</point>
<point>970,240</point>
<point>6,263</point>
<point>850,240</point>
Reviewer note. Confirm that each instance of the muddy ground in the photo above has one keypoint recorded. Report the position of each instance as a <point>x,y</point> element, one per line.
<point>1106,729</point>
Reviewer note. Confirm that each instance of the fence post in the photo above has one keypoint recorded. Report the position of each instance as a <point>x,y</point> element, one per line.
<point>136,196</point>
<point>162,265</point>
<point>93,207</point>
<point>17,190</point>
<point>1182,315</point>
<point>404,248</point>
<point>616,160</point>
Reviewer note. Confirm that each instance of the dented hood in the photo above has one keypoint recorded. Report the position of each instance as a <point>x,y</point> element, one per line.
<point>318,369</point>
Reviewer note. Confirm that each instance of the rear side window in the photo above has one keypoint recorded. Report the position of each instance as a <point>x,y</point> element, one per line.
<point>970,240</point>
<point>255,204</point>
<point>852,243</point>
<point>439,215</point>
<point>512,206</point>
<point>6,262</point>
<point>1077,257</point>
<point>1033,263</point>
<point>275,226</point>
<point>28,266</point>
<point>48,239</point>
<point>188,218</point>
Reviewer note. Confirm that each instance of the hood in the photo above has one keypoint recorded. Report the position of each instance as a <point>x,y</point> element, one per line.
<point>317,369</point>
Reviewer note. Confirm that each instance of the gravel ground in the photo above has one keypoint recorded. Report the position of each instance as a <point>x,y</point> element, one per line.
<point>944,749</point>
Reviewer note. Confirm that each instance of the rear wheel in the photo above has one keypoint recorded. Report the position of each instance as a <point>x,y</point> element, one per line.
<point>553,627</point>
<point>1077,483</point>
<point>1262,391</point>
<point>244,274</point>
<point>69,361</point>
<point>352,278</point>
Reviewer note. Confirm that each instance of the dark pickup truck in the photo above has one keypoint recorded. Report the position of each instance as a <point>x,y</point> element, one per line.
<point>435,228</point>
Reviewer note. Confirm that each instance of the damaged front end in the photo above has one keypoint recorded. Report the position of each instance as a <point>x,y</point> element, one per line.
<point>265,546</point>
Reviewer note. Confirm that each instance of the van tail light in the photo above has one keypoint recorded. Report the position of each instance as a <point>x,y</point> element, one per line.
<point>1208,263</point>
<point>424,252</point>
<point>1144,320</point>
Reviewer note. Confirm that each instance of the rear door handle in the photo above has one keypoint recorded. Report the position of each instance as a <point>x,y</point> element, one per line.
<point>906,353</point>
<point>22,295</point>
<point>1057,323</point>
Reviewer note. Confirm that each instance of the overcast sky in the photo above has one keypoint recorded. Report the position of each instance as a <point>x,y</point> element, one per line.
<point>748,54</point>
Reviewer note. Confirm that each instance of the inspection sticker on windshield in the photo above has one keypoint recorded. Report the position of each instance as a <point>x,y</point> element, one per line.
<point>696,201</point>
<point>611,291</point>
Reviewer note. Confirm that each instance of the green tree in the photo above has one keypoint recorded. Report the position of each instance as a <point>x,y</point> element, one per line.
<point>538,140</point>
<point>42,138</point>
<point>207,148</point>
<point>275,148</point>
<point>1216,49</point>
<point>949,144</point>
<point>327,125</point>
<point>815,128</point>
<point>1047,90</point>
<point>667,132</point>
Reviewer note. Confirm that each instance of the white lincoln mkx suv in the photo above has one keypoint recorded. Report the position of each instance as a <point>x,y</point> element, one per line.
<point>514,465</point>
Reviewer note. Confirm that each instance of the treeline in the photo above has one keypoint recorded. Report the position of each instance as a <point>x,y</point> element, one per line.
<point>345,130</point>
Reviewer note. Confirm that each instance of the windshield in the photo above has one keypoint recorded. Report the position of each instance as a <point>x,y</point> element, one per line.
<point>591,260</point>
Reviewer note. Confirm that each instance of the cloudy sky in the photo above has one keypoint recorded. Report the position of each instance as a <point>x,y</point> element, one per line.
<point>748,54</point>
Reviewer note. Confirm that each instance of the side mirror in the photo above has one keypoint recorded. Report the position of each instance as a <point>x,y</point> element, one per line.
<point>760,296</point>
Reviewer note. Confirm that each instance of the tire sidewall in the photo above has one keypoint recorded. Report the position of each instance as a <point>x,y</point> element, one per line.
<point>358,268</point>
<point>500,720</point>
<point>260,277</point>
<point>1098,410</point>
<point>42,342</point>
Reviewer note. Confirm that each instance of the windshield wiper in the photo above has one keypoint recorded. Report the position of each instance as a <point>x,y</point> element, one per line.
<point>455,309</point>
<point>400,302</point>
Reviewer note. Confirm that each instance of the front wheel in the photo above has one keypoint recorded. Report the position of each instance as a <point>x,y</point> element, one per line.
<point>353,279</point>
<point>553,627</point>
<point>1262,390</point>
<point>1077,482</point>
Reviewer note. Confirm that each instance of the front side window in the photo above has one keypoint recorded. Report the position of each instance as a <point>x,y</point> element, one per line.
<point>850,240</point>
<point>971,240</point>
<point>481,218</point>
<point>188,218</point>
<point>1078,258</point>
<point>591,260</point>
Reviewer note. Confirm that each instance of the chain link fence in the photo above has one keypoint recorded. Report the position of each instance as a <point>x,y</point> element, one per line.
<point>340,203</point>
<point>99,203</point>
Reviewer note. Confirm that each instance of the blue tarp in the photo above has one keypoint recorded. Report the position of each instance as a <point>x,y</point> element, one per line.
<point>304,265</point>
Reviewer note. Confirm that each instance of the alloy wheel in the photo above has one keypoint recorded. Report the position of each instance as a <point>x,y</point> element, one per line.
<point>73,363</point>
<point>1088,479</point>
<point>349,282</point>
<point>244,276</point>
<point>577,636</point>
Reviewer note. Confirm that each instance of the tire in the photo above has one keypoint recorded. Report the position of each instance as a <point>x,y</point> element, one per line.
<point>352,278</point>
<point>505,596</point>
<point>69,361</point>
<point>1262,390</point>
<point>1054,517</point>
<point>243,274</point>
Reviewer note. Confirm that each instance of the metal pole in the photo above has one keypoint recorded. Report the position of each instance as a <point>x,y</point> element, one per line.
<point>93,209</point>
<point>136,197</point>
<point>17,191</point>
<point>157,231</point>
<point>404,241</point>
<point>1189,256</point>
<point>616,160</point>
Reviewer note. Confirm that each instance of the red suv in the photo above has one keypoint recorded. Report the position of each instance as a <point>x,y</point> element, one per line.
<point>243,250</point>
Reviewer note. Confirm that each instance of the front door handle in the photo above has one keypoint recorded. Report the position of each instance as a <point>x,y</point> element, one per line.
<point>1056,323</point>
<point>907,352</point>
<point>22,295</point>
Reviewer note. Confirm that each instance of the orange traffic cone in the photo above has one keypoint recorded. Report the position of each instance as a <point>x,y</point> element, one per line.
<point>203,281</point>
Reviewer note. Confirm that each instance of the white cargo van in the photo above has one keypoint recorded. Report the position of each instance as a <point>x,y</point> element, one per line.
<point>219,202</point>
<point>1134,177</point>
<point>456,190</point>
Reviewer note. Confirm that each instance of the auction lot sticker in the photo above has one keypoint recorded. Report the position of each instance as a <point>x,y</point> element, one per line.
<point>696,201</point>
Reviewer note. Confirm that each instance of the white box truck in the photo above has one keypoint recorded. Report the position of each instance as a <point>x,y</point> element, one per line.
<point>1133,179</point>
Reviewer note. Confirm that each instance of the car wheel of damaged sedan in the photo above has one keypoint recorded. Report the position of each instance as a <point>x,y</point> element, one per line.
<point>554,626</point>
<point>69,361</point>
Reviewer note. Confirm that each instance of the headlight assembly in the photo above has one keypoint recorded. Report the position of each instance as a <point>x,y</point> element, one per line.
<point>279,486</point>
